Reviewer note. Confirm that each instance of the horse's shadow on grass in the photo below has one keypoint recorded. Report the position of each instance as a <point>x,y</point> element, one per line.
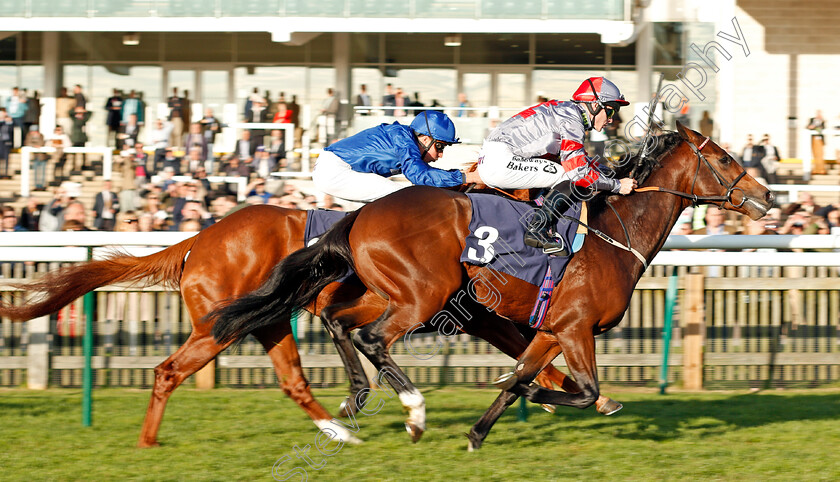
<point>667,418</point>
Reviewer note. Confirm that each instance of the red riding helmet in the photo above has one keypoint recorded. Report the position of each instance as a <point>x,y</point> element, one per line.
<point>601,91</point>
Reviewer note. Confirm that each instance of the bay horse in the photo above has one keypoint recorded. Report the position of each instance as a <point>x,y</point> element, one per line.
<point>405,248</point>
<point>231,258</point>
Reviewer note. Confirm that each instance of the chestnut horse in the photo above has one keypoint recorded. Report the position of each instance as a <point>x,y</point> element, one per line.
<point>231,258</point>
<point>405,248</point>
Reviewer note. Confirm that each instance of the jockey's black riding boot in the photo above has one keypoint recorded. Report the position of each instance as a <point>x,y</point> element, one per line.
<point>538,232</point>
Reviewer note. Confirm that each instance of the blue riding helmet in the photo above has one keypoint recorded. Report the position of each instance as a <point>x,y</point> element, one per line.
<point>436,125</point>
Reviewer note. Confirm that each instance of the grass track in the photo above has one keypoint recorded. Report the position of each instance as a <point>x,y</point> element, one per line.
<point>239,434</point>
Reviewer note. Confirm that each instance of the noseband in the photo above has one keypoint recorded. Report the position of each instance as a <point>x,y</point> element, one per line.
<point>727,198</point>
<point>701,159</point>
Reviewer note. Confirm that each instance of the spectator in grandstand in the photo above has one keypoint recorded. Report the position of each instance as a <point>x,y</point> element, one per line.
<point>7,136</point>
<point>30,214</point>
<point>78,136</point>
<point>769,159</point>
<point>105,208</point>
<point>113,117</point>
<point>171,161</point>
<point>463,103</point>
<point>33,112</point>
<point>127,222</point>
<point>363,99</point>
<point>10,220</point>
<point>193,211</point>
<point>73,217</point>
<point>193,159</point>
<point>805,202</point>
<point>249,103</point>
<point>176,117</point>
<point>263,163</point>
<point>35,139</point>
<point>59,140</point>
<point>16,107</point>
<point>257,188</point>
<point>159,138</point>
<point>276,148</point>
<point>145,222</point>
<point>235,168</point>
<point>400,100</point>
<point>747,159</point>
<point>64,106</point>
<point>388,99</point>
<point>816,125</point>
<point>707,125</point>
<point>211,127</point>
<point>79,97</point>
<point>133,105</point>
<point>195,138</point>
<point>128,133</point>
<point>245,148</point>
<point>715,222</point>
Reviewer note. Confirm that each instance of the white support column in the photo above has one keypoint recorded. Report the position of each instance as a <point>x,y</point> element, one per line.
<point>644,59</point>
<point>343,78</point>
<point>50,57</point>
<point>38,354</point>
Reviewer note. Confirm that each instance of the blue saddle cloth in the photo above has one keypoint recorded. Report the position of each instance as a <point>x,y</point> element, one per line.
<point>496,239</point>
<point>318,221</point>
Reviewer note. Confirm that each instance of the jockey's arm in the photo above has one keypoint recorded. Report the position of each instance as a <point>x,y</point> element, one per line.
<point>420,173</point>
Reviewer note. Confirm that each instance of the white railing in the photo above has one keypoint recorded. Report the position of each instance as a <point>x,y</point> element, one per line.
<point>72,246</point>
<point>793,190</point>
<point>26,154</point>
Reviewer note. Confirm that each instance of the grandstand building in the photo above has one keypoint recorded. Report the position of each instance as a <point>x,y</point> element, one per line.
<point>760,66</point>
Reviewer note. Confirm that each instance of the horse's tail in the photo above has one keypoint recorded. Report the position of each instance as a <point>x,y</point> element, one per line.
<point>294,283</point>
<point>59,288</point>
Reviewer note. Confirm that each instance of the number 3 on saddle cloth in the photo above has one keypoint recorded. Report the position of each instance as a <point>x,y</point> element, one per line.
<point>496,241</point>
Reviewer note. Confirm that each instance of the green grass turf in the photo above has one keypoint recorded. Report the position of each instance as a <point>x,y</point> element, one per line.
<point>239,434</point>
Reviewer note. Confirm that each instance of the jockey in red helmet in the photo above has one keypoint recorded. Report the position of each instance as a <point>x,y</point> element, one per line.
<point>543,147</point>
<point>357,168</point>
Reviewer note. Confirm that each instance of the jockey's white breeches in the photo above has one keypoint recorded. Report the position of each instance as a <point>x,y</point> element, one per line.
<point>500,168</point>
<point>333,176</point>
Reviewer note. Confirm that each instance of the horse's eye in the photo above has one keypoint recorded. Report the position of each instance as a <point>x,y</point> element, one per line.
<point>725,160</point>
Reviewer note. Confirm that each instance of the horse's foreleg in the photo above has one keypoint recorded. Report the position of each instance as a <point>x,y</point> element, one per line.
<point>579,350</point>
<point>542,349</point>
<point>196,352</point>
<point>280,346</point>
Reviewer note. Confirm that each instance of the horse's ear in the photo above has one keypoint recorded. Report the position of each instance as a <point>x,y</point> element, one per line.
<point>685,132</point>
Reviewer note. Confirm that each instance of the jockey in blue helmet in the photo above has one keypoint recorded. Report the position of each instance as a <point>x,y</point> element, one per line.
<point>357,168</point>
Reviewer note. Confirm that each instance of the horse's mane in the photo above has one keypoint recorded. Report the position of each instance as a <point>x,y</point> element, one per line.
<point>664,143</point>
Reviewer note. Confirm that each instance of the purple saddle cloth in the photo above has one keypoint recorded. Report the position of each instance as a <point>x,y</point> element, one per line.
<point>496,239</point>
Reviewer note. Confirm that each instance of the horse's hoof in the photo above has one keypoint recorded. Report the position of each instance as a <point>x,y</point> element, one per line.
<point>148,445</point>
<point>607,406</point>
<point>506,382</point>
<point>347,409</point>
<point>548,408</point>
<point>474,442</point>
<point>414,431</point>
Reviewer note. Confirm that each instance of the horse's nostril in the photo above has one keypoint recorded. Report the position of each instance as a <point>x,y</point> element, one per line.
<point>769,197</point>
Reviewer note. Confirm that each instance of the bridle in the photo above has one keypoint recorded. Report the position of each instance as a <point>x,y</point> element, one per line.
<point>695,199</point>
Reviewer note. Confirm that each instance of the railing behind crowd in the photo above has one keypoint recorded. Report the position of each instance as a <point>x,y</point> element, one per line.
<point>762,317</point>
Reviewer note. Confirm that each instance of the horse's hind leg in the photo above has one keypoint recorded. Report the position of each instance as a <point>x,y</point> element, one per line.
<point>282,349</point>
<point>340,319</point>
<point>373,341</point>
<point>196,352</point>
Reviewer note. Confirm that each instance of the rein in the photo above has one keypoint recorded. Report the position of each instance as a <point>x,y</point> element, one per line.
<point>730,188</point>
